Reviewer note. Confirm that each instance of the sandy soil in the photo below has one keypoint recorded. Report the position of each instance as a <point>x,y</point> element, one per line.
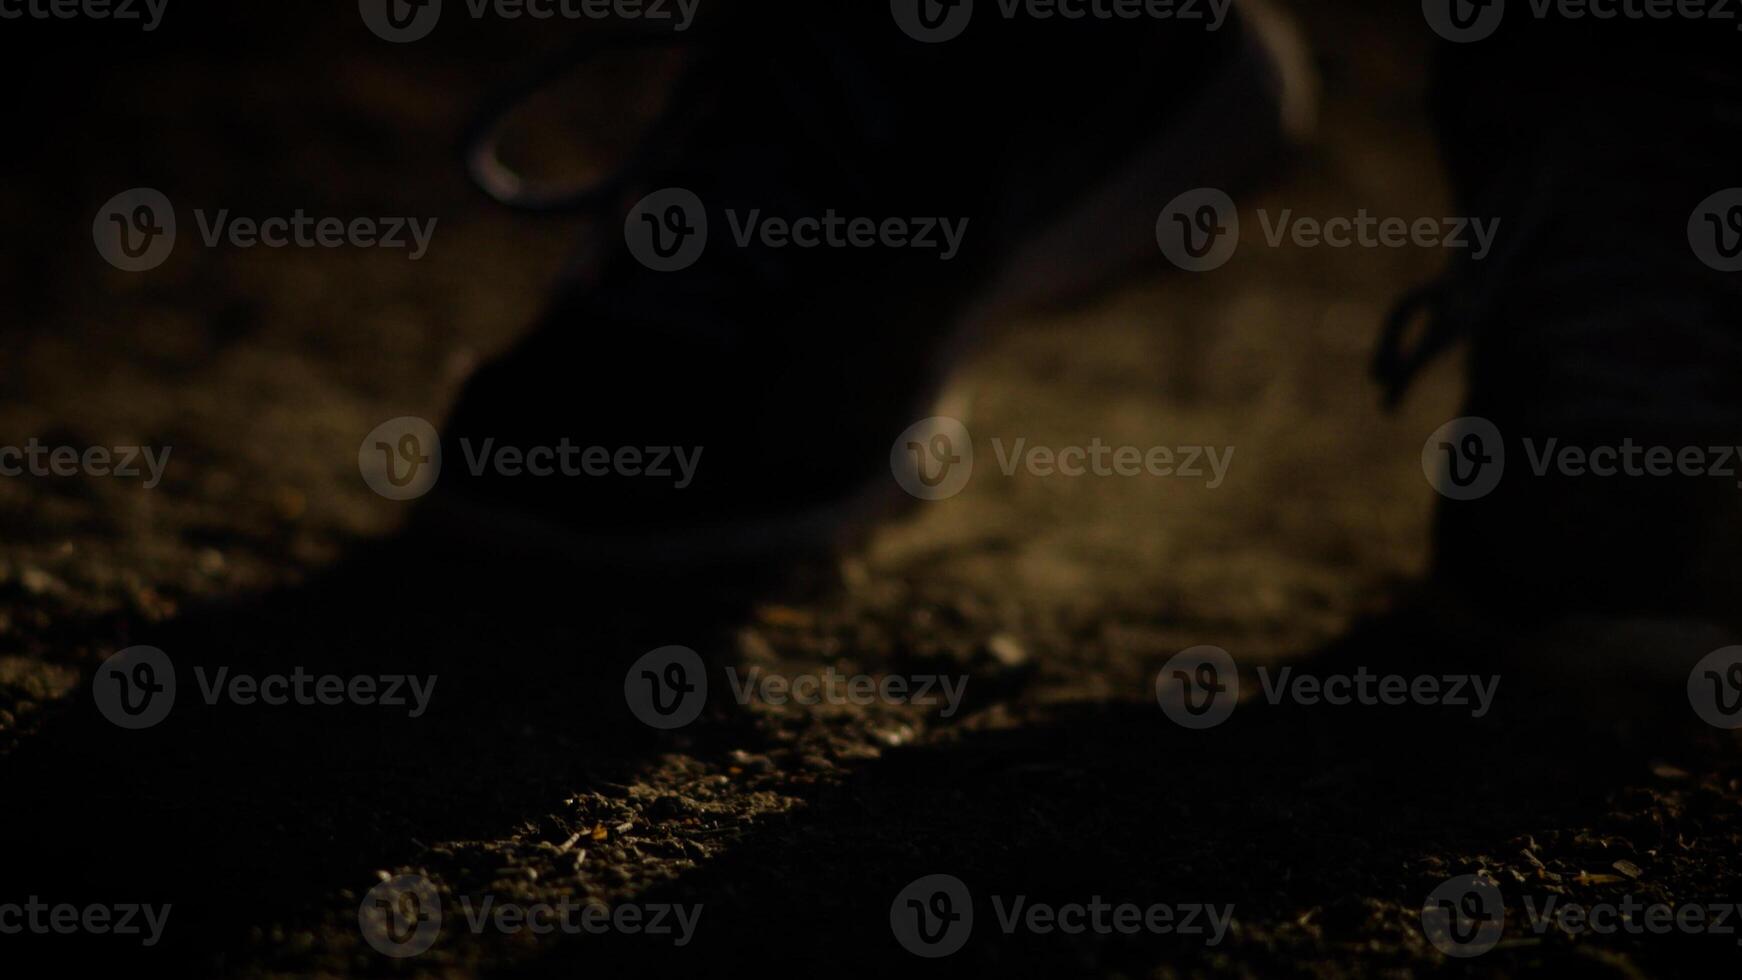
<point>1057,599</point>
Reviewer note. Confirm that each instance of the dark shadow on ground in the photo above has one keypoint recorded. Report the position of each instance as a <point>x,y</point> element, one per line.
<point>1324,829</point>
<point>247,816</point>
<point>241,816</point>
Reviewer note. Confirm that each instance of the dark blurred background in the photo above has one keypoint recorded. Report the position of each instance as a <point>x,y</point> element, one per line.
<point>264,368</point>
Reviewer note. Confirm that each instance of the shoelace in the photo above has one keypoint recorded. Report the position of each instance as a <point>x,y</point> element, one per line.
<point>1611,292</point>
<point>1465,302</point>
<point>1456,306</point>
<point>1612,289</point>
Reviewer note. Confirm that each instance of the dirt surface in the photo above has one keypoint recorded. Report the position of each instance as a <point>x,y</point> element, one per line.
<point>528,780</point>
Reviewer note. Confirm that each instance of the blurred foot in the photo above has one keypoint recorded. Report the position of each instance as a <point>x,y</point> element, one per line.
<point>1593,491</point>
<point>1603,355</point>
<point>931,187</point>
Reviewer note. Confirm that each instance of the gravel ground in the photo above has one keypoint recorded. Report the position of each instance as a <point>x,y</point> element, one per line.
<point>1057,600</point>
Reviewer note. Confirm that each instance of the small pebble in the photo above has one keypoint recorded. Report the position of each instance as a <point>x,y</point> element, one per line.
<point>1007,650</point>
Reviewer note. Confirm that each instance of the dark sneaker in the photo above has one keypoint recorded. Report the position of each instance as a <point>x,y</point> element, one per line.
<point>724,392</point>
<point>1596,471</point>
